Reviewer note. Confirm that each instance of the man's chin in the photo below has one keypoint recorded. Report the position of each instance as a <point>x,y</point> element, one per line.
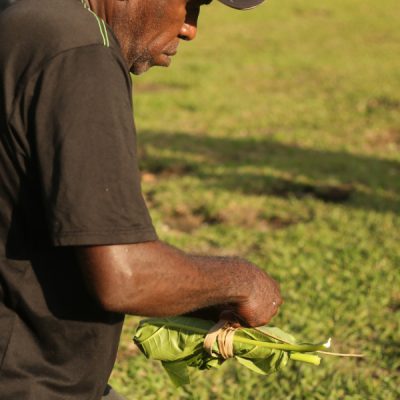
<point>141,67</point>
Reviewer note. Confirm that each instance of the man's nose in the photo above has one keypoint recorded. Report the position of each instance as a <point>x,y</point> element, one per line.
<point>189,28</point>
<point>188,32</point>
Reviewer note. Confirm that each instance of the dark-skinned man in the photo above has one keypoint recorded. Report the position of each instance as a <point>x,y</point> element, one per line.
<point>77,246</point>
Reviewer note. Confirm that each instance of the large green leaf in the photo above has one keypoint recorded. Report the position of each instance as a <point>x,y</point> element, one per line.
<point>265,366</point>
<point>177,371</point>
<point>178,343</point>
<point>273,331</point>
<point>171,339</point>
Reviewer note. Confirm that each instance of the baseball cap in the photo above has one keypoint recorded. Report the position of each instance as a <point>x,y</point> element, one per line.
<point>241,4</point>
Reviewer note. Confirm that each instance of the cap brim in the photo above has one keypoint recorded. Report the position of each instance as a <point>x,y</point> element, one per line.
<point>241,4</point>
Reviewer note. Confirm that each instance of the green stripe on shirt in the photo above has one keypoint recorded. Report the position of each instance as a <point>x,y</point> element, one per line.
<point>101,23</point>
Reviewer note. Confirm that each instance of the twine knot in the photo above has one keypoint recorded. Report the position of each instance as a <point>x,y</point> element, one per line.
<point>223,333</point>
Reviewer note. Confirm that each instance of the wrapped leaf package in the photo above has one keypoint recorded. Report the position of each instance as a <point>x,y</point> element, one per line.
<point>178,343</point>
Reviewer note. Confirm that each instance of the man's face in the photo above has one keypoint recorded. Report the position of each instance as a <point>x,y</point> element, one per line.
<point>152,30</point>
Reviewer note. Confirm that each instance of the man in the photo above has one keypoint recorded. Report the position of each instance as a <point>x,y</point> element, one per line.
<point>77,246</point>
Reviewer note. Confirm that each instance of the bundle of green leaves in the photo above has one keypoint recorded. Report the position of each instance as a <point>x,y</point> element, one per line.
<point>178,343</point>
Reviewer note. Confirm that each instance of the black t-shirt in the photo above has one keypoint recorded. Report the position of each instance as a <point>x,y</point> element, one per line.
<point>68,177</point>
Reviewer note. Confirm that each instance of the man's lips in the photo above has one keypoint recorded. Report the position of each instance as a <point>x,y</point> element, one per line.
<point>171,50</point>
<point>170,54</point>
<point>165,59</point>
<point>167,53</point>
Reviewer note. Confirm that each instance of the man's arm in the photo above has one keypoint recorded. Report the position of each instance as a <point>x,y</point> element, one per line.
<point>155,279</point>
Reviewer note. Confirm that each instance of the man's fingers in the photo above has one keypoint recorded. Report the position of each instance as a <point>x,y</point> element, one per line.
<point>233,318</point>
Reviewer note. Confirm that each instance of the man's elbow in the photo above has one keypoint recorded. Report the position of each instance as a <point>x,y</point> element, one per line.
<point>110,302</point>
<point>113,290</point>
<point>117,294</point>
<point>125,302</point>
<point>118,281</point>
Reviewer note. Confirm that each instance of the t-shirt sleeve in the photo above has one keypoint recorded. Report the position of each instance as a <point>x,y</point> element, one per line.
<point>85,151</point>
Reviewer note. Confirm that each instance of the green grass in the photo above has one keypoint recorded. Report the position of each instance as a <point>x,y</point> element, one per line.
<point>276,136</point>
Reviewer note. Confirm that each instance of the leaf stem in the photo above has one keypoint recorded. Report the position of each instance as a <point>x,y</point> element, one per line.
<point>281,346</point>
<point>329,353</point>
<point>308,358</point>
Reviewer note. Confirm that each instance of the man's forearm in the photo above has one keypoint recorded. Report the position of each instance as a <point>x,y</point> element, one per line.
<point>155,279</point>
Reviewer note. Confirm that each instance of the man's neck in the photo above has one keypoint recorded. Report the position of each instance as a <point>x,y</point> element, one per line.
<point>102,8</point>
<point>113,12</point>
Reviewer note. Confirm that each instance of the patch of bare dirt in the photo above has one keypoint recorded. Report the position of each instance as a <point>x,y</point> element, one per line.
<point>148,177</point>
<point>379,103</point>
<point>383,140</point>
<point>188,220</point>
<point>183,219</point>
<point>251,217</point>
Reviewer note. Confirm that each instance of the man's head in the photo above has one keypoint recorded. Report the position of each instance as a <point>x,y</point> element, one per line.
<point>149,31</point>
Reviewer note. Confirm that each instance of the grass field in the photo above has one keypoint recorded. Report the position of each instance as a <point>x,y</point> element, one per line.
<point>276,136</point>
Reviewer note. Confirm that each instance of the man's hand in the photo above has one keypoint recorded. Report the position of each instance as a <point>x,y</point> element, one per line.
<point>155,279</point>
<point>261,305</point>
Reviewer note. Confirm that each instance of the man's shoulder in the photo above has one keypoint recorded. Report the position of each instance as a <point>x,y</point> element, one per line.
<point>45,28</point>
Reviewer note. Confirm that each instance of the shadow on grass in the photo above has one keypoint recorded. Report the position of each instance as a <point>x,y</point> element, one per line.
<point>354,180</point>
